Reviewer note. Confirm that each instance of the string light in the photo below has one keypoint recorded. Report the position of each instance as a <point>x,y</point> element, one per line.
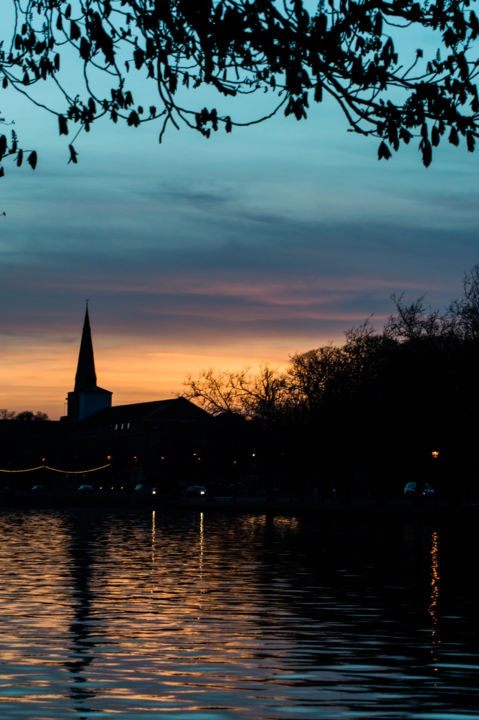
<point>23,471</point>
<point>65,472</point>
<point>77,472</point>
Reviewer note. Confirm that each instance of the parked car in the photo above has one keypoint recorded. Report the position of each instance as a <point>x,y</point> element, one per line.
<point>85,488</point>
<point>410,489</point>
<point>142,489</point>
<point>195,491</point>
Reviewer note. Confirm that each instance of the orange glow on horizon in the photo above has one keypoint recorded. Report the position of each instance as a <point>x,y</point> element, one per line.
<point>38,375</point>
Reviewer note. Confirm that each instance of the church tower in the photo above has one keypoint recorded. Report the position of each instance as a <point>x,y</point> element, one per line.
<point>87,398</point>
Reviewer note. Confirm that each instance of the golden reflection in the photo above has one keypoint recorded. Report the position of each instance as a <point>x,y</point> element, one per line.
<point>38,553</point>
<point>252,522</point>
<point>284,522</point>
<point>433,607</point>
<point>93,603</point>
<point>202,542</point>
<point>153,535</point>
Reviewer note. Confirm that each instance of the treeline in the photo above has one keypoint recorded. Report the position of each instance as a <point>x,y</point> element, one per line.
<point>377,405</point>
<point>24,416</point>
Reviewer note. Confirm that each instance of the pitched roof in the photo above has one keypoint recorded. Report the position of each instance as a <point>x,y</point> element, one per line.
<point>174,409</point>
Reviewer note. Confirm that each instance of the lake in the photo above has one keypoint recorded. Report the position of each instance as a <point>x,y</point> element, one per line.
<point>209,615</point>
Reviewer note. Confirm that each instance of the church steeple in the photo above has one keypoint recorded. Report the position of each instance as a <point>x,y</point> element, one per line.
<point>87,398</point>
<point>85,375</point>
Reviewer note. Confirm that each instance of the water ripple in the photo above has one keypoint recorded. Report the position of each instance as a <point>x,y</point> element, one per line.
<point>205,617</point>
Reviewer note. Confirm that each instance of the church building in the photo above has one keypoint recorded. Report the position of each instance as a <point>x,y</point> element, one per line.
<point>92,404</point>
<point>87,398</point>
<point>156,441</point>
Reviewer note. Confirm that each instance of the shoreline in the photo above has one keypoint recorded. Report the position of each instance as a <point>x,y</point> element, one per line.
<point>364,508</point>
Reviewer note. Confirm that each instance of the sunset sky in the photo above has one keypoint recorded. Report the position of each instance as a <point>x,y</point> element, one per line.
<point>227,252</point>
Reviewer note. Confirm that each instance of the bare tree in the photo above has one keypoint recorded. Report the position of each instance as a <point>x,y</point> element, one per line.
<point>260,396</point>
<point>315,373</point>
<point>464,312</point>
<point>264,396</point>
<point>414,320</point>
<point>216,391</point>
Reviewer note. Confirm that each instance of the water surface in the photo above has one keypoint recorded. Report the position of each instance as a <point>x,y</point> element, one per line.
<point>205,616</point>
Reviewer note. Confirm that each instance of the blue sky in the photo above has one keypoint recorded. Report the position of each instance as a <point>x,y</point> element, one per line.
<point>214,253</point>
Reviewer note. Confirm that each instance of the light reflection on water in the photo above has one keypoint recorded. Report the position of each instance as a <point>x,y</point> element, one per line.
<point>209,616</point>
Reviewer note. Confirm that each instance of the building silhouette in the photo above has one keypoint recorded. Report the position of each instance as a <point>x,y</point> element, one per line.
<point>142,440</point>
<point>87,398</point>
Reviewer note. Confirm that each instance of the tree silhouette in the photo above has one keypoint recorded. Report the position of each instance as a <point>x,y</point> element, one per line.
<point>24,416</point>
<point>378,404</point>
<point>346,50</point>
<point>464,312</point>
<point>262,396</point>
<point>6,414</point>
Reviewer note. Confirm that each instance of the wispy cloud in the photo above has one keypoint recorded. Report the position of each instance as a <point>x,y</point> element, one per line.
<point>230,252</point>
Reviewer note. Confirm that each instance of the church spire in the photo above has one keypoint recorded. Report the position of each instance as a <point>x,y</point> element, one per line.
<point>85,376</point>
<point>87,398</point>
